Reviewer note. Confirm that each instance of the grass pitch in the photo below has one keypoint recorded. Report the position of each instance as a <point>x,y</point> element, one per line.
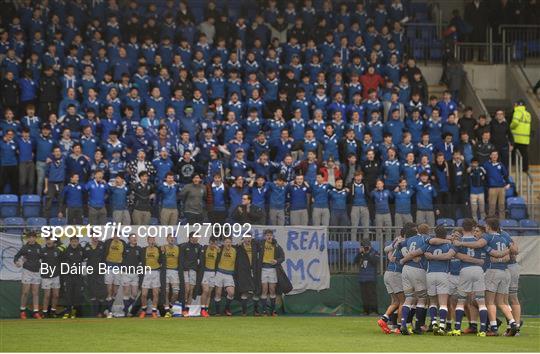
<point>242,334</point>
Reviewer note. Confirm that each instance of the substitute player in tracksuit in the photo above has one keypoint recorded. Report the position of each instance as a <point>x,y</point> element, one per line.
<point>94,253</point>
<point>190,253</point>
<point>50,282</point>
<point>28,258</point>
<point>153,258</point>
<point>131,257</point>
<point>438,284</point>
<point>73,284</point>
<point>246,286</point>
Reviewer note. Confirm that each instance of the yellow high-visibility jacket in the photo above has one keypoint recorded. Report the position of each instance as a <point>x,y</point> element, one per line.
<point>521,125</point>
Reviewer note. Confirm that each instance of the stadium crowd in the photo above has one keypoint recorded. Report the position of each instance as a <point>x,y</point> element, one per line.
<point>298,114</point>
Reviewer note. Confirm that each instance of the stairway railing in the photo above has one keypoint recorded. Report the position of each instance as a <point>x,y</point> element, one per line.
<point>516,164</point>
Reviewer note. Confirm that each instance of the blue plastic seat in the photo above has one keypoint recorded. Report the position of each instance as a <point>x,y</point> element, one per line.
<point>57,221</point>
<point>333,252</point>
<point>532,225</point>
<point>9,205</point>
<point>31,205</point>
<point>446,222</point>
<point>35,223</point>
<point>517,208</point>
<point>14,225</point>
<point>376,246</point>
<point>350,250</point>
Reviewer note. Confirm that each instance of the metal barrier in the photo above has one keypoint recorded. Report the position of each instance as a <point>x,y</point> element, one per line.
<point>344,244</point>
<point>524,180</point>
<point>524,42</point>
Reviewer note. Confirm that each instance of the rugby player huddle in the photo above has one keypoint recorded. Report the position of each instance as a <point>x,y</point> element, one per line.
<point>471,273</point>
<point>248,271</point>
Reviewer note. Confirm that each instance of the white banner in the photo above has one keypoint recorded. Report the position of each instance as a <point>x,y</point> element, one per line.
<point>529,249</point>
<point>306,254</point>
<point>9,246</point>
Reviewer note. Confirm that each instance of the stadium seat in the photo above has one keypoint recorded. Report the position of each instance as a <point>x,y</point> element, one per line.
<point>350,250</point>
<point>57,221</point>
<point>446,222</point>
<point>510,192</point>
<point>35,223</point>
<point>9,205</point>
<point>333,252</point>
<point>31,205</point>
<point>529,224</point>
<point>13,225</point>
<point>510,226</point>
<point>376,246</point>
<point>517,208</point>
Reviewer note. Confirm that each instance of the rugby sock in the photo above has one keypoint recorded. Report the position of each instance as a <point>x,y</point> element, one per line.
<point>272,304</point>
<point>53,310</point>
<point>473,325</point>
<point>244,306</point>
<point>420,316</point>
<point>110,302</point>
<point>494,327</point>
<point>460,312</point>
<point>217,303</point>
<point>411,314</point>
<point>385,318</point>
<point>126,304</point>
<point>443,312</point>
<point>256,305</point>
<point>448,326</point>
<point>433,314</point>
<point>227,304</point>
<point>405,312</point>
<point>263,304</point>
<point>23,308</point>
<point>483,318</point>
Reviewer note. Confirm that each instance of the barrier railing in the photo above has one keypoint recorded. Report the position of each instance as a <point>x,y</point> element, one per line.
<point>345,243</point>
<point>524,42</point>
<point>482,52</point>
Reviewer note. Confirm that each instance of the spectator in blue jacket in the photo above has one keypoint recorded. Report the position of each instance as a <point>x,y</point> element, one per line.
<point>168,192</point>
<point>55,176</point>
<point>367,259</point>
<point>27,169</point>
<point>338,204</point>
<point>277,198</point>
<point>497,184</point>
<point>73,195</point>
<point>381,198</point>
<point>8,162</point>
<point>97,192</point>
<point>118,193</point>
<point>425,193</point>
<point>402,196</point>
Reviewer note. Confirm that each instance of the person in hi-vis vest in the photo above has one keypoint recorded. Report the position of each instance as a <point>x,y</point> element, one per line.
<point>521,130</point>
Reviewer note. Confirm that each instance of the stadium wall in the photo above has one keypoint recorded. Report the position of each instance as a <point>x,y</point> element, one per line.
<point>342,298</point>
